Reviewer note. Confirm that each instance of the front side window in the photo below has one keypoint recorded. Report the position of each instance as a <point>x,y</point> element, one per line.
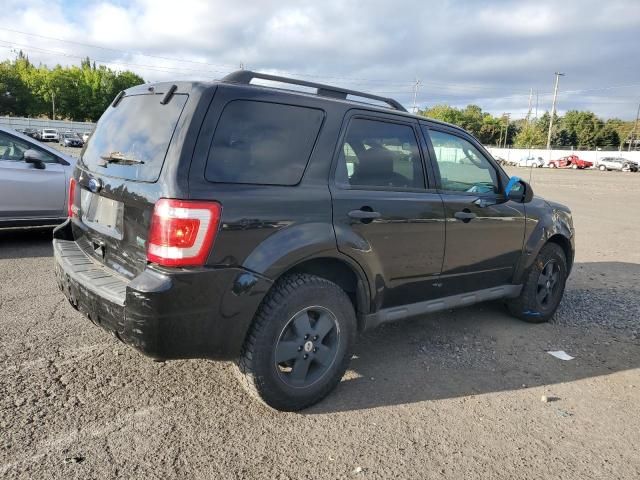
<point>12,148</point>
<point>462,167</point>
<point>380,154</point>
<point>262,143</point>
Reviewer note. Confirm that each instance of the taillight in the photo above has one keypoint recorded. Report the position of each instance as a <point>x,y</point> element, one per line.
<point>182,232</point>
<point>72,196</point>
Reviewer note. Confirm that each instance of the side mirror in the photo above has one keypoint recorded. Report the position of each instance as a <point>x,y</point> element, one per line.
<point>36,157</point>
<point>518,190</point>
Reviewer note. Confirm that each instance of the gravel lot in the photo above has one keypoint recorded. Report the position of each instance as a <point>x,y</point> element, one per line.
<point>451,395</point>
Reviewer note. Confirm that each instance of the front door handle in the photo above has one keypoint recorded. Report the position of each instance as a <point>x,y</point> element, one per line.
<point>364,214</point>
<point>465,215</point>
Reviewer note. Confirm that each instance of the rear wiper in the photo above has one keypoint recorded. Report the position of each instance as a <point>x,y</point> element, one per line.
<point>117,157</point>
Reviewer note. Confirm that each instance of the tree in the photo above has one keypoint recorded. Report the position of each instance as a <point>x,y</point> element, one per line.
<point>530,136</point>
<point>79,93</point>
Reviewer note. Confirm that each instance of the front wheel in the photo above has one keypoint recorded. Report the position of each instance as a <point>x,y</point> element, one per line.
<point>543,286</point>
<point>574,166</point>
<point>602,168</point>
<point>299,344</point>
<point>552,165</point>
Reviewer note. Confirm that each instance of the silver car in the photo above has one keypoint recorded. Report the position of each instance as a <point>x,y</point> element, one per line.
<point>34,180</point>
<point>617,163</point>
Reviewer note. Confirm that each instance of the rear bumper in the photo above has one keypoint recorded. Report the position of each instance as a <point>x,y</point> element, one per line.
<point>163,313</point>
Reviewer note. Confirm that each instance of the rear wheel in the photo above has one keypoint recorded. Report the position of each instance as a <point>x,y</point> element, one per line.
<point>602,168</point>
<point>299,344</point>
<point>574,166</point>
<point>552,165</point>
<point>543,287</point>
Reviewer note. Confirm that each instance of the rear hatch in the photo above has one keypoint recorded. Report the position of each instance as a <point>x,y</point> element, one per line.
<point>118,176</point>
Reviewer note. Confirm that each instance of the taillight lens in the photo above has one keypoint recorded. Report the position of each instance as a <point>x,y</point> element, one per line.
<point>182,232</point>
<point>72,197</point>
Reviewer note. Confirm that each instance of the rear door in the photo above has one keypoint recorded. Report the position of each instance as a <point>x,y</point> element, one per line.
<point>27,192</point>
<point>385,213</point>
<point>484,230</point>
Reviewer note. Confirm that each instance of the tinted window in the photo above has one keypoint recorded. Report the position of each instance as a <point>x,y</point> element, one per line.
<point>380,154</point>
<point>264,143</point>
<point>12,148</point>
<point>138,132</point>
<point>462,167</point>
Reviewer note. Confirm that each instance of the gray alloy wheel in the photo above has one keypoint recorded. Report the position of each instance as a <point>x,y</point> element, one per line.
<point>548,284</point>
<point>307,346</point>
<point>543,286</point>
<point>299,344</point>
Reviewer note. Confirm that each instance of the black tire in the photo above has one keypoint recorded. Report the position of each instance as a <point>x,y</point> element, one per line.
<point>298,305</point>
<point>533,305</point>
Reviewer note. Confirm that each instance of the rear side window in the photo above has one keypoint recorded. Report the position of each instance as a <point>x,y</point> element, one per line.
<point>132,138</point>
<point>262,143</point>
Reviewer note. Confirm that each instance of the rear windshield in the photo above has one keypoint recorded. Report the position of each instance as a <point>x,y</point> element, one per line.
<point>132,138</point>
<point>262,143</point>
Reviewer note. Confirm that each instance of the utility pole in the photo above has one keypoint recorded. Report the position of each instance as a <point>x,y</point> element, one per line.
<point>53,105</point>
<point>415,95</point>
<point>553,108</point>
<point>536,104</point>
<point>506,130</point>
<point>530,104</point>
<point>632,136</point>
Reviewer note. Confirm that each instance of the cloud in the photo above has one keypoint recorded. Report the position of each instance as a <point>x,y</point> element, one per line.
<point>463,52</point>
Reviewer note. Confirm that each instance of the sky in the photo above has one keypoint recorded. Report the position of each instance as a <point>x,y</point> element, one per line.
<point>489,53</point>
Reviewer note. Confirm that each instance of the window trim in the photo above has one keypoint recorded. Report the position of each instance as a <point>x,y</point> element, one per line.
<point>253,100</point>
<point>352,115</point>
<point>500,175</point>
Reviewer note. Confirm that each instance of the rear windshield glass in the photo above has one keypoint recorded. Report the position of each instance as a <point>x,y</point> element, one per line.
<point>262,143</point>
<point>131,139</point>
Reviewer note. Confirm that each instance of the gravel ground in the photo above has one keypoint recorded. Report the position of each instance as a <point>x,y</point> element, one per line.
<point>450,395</point>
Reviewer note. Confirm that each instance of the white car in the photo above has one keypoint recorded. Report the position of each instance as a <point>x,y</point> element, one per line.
<point>49,135</point>
<point>534,162</point>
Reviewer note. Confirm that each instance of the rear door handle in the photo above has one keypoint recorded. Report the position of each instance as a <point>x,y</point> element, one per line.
<point>465,215</point>
<point>363,214</point>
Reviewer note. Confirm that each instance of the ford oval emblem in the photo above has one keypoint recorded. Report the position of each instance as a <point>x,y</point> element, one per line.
<point>95,185</point>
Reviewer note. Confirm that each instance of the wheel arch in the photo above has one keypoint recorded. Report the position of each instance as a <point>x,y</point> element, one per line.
<point>340,270</point>
<point>564,243</point>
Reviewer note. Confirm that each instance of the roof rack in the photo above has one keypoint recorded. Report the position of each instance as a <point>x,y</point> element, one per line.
<point>245,77</point>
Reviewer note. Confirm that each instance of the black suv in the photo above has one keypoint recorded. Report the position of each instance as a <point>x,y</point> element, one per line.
<point>230,220</point>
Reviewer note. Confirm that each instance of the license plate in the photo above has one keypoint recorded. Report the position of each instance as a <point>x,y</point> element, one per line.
<point>102,214</point>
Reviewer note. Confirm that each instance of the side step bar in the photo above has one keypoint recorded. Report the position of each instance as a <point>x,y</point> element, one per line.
<point>394,314</point>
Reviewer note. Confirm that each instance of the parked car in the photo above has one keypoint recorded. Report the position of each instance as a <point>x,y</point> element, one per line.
<point>534,162</point>
<point>617,163</point>
<point>70,139</point>
<point>31,132</point>
<point>49,135</point>
<point>34,180</point>
<point>570,161</point>
<point>219,220</point>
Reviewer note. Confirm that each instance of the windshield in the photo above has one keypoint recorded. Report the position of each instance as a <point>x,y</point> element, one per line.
<point>139,129</point>
<point>49,131</point>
